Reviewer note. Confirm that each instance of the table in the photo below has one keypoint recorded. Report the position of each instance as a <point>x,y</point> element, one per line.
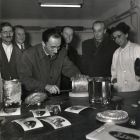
<point>82,123</point>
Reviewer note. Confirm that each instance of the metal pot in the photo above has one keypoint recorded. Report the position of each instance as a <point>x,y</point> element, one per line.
<point>99,89</point>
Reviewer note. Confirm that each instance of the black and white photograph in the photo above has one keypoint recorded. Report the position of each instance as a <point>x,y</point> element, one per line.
<point>40,113</point>
<point>29,123</point>
<point>69,62</point>
<point>10,111</point>
<point>57,121</point>
<point>76,109</point>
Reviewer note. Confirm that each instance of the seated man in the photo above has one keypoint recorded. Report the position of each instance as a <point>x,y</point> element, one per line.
<point>42,65</point>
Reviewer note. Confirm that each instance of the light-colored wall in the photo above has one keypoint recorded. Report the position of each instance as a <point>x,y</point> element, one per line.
<point>35,35</point>
<point>133,21</point>
<point>0,11</point>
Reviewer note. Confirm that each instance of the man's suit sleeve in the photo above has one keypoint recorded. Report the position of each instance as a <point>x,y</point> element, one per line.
<point>26,75</point>
<point>68,68</point>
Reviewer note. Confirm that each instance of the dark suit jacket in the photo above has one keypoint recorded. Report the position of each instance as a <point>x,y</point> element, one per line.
<point>25,45</point>
<point>38,69</point>
<point>97,61</point>
<point>17,58</point>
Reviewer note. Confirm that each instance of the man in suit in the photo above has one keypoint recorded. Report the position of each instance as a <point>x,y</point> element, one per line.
<point>97,52</point>
<point>9,54</point>
<point>20,37</point>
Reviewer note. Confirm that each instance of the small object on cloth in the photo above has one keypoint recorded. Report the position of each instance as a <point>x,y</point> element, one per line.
<point>134,105</point>
<point>139,102</point>
<point>113,116</point>
<point>35,98</point>
<point>137,66</point>
<point>9,108</point>
<point>132,121</point>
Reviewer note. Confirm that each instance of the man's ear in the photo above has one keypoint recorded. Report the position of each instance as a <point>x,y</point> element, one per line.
<point>43,44</point>
<point>126,35</point>
<point>104,31</point>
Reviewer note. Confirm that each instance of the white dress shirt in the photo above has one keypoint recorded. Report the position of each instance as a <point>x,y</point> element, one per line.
<point>8,50</point>
<point>21,46</point>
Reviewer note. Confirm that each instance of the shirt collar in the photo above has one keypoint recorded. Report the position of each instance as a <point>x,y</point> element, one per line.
<point>19,45</point>
<point>126,46</point>
<point>6,46</point>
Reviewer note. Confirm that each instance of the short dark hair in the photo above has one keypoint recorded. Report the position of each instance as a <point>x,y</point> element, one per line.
<point>19,26</point>
<point>3,24</point>
<point>67,26</point>
<point>98,22</point>
<point>48,33</point>
<point>122,26</point>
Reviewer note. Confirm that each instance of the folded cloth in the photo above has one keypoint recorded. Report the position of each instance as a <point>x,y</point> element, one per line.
<point>137,66</point>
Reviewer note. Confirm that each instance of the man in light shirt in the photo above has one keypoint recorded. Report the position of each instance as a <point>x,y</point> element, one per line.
<point>9,54</point>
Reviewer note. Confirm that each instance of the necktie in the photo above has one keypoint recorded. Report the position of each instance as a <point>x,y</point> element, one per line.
<point>22,47</point>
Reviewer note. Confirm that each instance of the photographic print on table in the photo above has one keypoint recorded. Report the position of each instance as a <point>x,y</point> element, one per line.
<point>10,112</point>
<point>40,113</point>
<point>113,132</point>
<point>57,121</point>
<point>29,123</point>
<point>76,109</point>
<point>54,109</point>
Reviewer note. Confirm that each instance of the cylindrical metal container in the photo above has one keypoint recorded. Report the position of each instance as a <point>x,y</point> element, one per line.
<point>79,84</point>
<point>99,89</point>
<point>11,91</point>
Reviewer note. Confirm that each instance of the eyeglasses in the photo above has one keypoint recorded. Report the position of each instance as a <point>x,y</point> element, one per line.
<point>7,32</point>
<point>115,37</point>
<point>55,47</point>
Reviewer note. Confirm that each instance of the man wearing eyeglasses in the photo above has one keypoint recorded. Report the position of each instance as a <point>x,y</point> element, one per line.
<point>43,64</point>
<point>9,54</point>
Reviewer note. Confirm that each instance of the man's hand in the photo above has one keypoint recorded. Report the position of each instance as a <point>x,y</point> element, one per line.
<point>52,89</point>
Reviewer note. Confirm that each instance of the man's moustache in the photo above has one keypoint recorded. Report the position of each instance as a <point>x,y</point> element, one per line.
<point>8,36</point>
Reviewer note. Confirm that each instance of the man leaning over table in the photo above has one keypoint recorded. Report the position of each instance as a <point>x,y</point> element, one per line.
<point>42,65</point>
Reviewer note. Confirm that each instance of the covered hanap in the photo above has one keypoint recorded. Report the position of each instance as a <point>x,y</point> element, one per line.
<point>11,91</point>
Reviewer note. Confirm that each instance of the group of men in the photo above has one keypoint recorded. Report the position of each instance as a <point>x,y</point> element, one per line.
<point>40,68</point>
<point>11,48</point>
